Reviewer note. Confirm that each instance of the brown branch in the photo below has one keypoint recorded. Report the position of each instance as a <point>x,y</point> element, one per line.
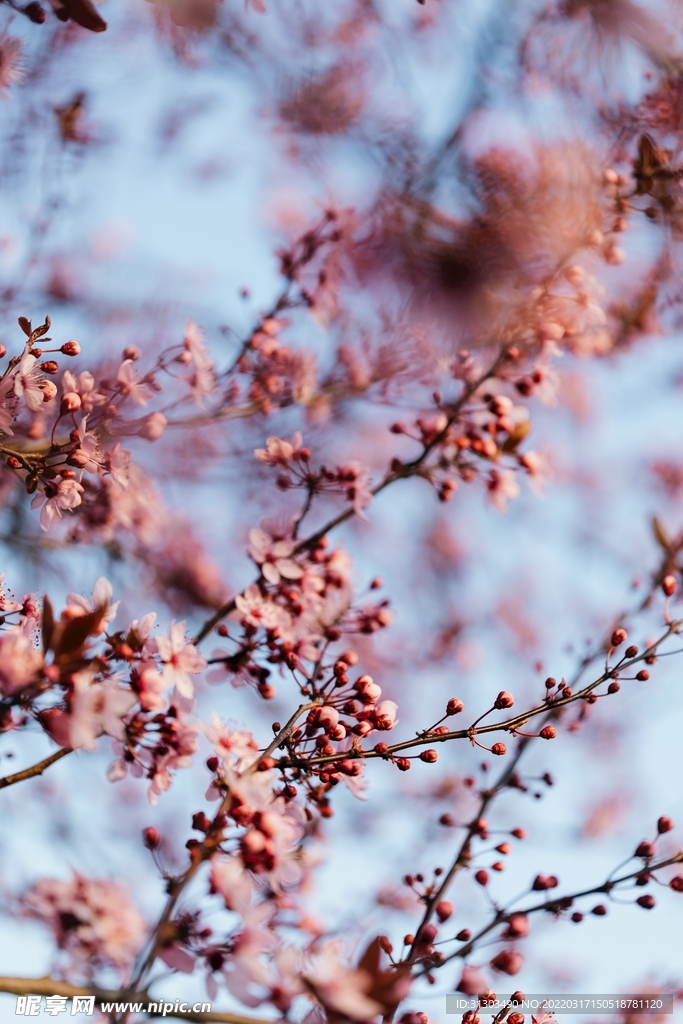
<point>558,904</point>
<point>510,725</point>
<point>48,986</point>
<point>36,769</point>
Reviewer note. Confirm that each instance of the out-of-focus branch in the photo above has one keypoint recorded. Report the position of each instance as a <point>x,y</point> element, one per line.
<point>48,986</point>
<point>36,769</point>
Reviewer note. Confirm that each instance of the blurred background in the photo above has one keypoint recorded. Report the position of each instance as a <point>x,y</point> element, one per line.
<point>149,174</point>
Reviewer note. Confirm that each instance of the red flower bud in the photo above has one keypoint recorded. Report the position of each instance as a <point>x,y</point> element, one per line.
<point>518,926</point>
<point>643,675</point>
<point>402,763</point>
<point>518,833</point>
<point>427,935</point>
<point>464,935</point>
<point>548,732</point>
<point>664,824</point>
<point>454,706</point>
<point>508,961</point>
<point>212,763</point>
<point>152,837</point>
<point>669,585</point>
<point>69,403</point>
<point>444,910</point>
<point>504,700</point>
<point>430,756</point>
<point>447,820</point>
<point>599,911</point>
<point>70,348</point>
<point>577,917</point>
<point>676,883</point>
<point>482,877</point>
<point>646,850</point>
<point>503,848</point>
<point>618,637</point>
<point>499,749</point>
<point>647,902</point>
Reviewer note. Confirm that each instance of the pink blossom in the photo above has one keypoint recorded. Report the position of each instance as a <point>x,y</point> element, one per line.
<point>87,456</point>
<point>236,747</point>
<point>502,485</point>
<point>203,380</point>
<point>149,684</point>
<point>256,610</point>
<point>118,464</point>
<point>84,386</point>
<point>130,385</point>
<point>93,920</point>
<point>358,486</point>
<point>273,556</point>
<point>59,494</point>
<point>11,72</point>
<point>278,452</point>
<point>538,467</point>
<point>180,745</point>
<point>342,989</point>
<point>95,708</point>
<point>182,660</point>
<point>27,382</point>
<point>77,605</point>
<point>6,605</point>
<point>230,880</point>
<point>19,661</point>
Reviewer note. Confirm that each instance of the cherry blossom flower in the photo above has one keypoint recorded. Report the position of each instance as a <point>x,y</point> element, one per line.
<point>232,882</point>
<point>278,452</point>
<point>538,467</point>
<point>236,747</point>
<point>59,494</point>
<point>11,72</point>
<point>180,743</point>
<point>77,605</point>
<point>84,386</point>
<point>272,554</point>
<point>342,989</point>
<point>93,920</point>
<point>6,605</point>
<point>28,381</point>
<point>118,463</point>
<point>87,456</point>
<point>256,610</point>
<point>130,385</point>
<point>95,708</point>
<point>203,380</point>
<point>19,660</point>
<point>182,660</point>
<point>502,486</point>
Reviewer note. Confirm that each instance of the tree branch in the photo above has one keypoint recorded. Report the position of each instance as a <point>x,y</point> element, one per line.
<point>48,986</point>
<point>36,769</point>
